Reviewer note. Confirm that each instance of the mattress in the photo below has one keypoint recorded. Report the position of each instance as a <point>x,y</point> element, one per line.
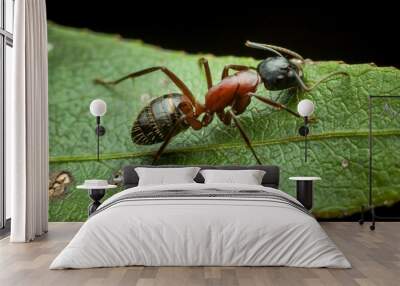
<point>201,225</point>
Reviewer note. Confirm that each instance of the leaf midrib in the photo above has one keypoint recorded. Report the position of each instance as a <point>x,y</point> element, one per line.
<point>201,148</point>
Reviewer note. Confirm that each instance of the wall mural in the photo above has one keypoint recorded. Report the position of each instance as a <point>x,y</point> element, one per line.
<point>338,141</point>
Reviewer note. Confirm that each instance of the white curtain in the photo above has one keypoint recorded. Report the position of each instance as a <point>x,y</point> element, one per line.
<point>27,124</point>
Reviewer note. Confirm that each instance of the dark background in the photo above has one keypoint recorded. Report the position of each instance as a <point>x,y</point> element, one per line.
<point>361,35</point>
<point>352,35</point>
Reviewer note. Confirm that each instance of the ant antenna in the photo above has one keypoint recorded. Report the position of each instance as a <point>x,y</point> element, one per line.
<point>262,47</point>
<point>306,88</point>
<point>275,49</point>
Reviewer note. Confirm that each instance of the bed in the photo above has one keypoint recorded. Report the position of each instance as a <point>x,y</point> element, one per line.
<point>199,224</point>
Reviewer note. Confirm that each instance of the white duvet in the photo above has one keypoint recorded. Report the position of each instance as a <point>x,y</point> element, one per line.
<point>200,231</point>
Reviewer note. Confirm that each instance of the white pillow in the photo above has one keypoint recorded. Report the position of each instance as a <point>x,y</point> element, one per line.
<point>165,176</point>
<point>248,177</point>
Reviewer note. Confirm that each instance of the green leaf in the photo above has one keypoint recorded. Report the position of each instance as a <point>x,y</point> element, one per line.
<point>338,142</point>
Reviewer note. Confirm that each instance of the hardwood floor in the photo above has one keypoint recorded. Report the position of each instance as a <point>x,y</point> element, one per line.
<point>375,257</point>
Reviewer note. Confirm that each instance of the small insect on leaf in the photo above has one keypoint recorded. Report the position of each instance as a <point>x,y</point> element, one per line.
<point>58,183</point>
<point>117,178</point>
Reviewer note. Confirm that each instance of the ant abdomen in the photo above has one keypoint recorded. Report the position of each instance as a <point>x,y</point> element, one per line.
<point>156,119</point>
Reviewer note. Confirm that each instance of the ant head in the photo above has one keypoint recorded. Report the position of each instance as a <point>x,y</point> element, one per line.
<point>278,72</point>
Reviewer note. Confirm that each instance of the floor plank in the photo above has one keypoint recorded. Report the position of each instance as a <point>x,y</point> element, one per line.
<point>375,257</point>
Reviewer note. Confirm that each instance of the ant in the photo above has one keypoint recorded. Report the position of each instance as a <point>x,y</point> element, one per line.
<point>168,115</point>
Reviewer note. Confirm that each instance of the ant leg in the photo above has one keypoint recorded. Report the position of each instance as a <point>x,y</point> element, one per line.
<point>187,110</point>
<point>240,104</point>
<point>306,88</point>
<point>167,139</point>
<point>244,136</point>
<point>226,119</point>
<point>204,62</point>
<point>188,118</point>
<point>207,119</point>
<point>226,69</point>
<point>274,104</point>
<point>178,82</point>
